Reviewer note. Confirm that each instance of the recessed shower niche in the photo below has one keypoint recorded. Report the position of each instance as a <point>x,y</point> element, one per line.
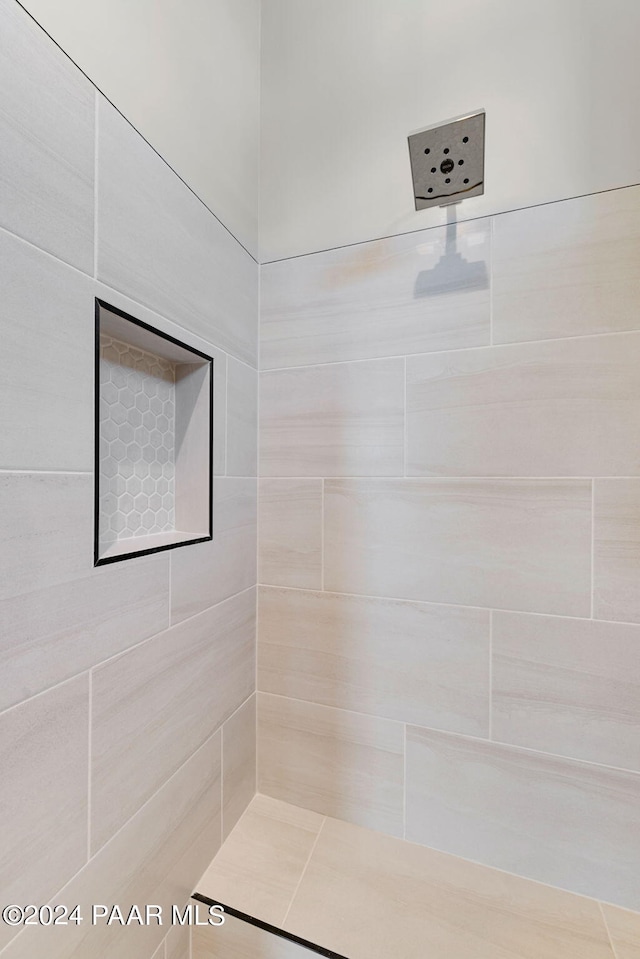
<point>153,445</point>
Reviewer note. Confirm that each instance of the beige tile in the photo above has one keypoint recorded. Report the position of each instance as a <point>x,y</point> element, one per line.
<point>47,133</point>
<point>242,419</point>
<point>560,821</point>
<point>413,662</point>
<point>242,940</point>
<point>369,896</point>
<point>44,746</point>
<point>156,858</point>
<point>555,408</point>
<point>335,762</point>
<point>59,615</point>
<point>290,532</point>
<point>178,942</point>
<point>567,686</point>
<point>207,573</point>
<point>624,929</point>
<point>344,419</point>
<point>160,245</point>
<point>616,549</point>
<point>382,298</point>
<point>46,521</point>
<point>567,269</point>
<point>523,544</point>
<point>155,705</point>
<point>260,864</point>
<point>46,374</point>
<point>238,764</point>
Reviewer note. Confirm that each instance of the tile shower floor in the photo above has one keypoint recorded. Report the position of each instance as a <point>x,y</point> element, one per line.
<point>365,895</point>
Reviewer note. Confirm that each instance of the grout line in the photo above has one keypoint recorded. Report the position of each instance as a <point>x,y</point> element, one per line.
<point>429,602</point>
<point>439,226</point>
<point>221,727</point>
<point>322,537</point>
<point>44,251</point>
<point>90,765</point>
<point>95,185</point>
<point>226,417</point>
<point>306,866</point>
<point>514,747</point>
<point>432,478</point>
<point>491,245</point>
<point>58,894</point>
<point>170,586</point>
<point>122,652</point>
<point>404,433</point>
<point>593,519</point>
<point>490,736</point>
<point>460,349</point>
<point>608,931</point>
<point>142,137</point>
<point>404,782</point>
<point>37,472</point>
<point>179,328</point>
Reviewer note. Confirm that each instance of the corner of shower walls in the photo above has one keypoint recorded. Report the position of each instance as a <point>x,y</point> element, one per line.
<point>143,671</point>
<point>449,600</point>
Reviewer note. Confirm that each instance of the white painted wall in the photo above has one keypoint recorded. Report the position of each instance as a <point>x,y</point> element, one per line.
<point>186,74</point>
<point>344,81</point>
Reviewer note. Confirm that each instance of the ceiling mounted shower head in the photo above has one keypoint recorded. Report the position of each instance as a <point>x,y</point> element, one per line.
<point>447,161</point>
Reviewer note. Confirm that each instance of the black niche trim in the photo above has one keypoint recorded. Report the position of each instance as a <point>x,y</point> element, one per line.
<point>107,560</point>
<point>275,930</point>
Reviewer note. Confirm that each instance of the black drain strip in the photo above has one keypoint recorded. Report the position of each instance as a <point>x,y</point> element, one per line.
<point>274,930</point>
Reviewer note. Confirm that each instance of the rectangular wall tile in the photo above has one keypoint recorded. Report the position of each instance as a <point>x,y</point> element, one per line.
<point>563,822</point>
<point>156,858</point>
<point>624,929</point>
<point>46,362</point>
<point>206,573</point>
<point>567,686</point>
<point>510,544</point>
<point>335,762</point>
<point>556,408</point>
<point>403,294</point>
<point>412,662</point>
<point>242,419</point>
<point>238,764</point>
<point>59,615</point>
<point>260,866</point>
<point>344,419</point>
<point>616,549</point>
<point>47,135</point>
<point>155,705</point>
<point>434,905</point>
<point>290,532</point>
<point>567,269</point>
<point>44,747</point>
<point>160,245</point>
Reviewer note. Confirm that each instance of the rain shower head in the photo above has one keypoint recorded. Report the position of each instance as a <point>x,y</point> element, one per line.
<point>447,161</point>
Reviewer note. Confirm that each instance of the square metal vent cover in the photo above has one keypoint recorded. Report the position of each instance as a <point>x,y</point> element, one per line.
<point>447,161</point>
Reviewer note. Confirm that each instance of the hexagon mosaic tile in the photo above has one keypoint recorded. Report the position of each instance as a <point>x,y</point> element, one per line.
<point>137,442</point>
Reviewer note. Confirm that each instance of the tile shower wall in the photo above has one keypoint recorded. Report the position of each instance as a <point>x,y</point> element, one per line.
<point>449,609</point>
<point>127,702</point>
